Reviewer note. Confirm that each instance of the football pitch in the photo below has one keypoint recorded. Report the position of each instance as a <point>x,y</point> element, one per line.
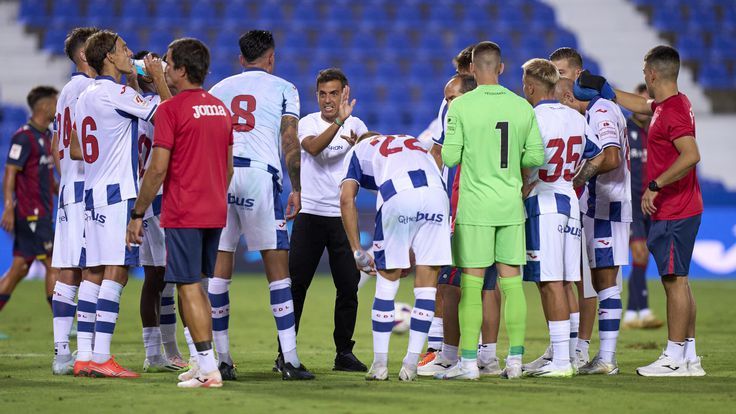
<point>27,386</point>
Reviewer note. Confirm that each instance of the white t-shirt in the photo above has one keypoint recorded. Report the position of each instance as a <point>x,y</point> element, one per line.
<point>107,117</point>
<point>257,101</point>
<point>609,194</point>
<point>321,174</point>
<point>568,140</point>
<point>71,185</point>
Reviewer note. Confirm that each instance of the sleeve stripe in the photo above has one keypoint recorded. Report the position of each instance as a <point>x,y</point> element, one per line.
<point>610,144</point>
<point>150,114</point>
<point>290,114</point>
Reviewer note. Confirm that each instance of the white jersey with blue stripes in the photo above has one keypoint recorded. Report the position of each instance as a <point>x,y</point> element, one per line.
<point>71,183</point>
<point>609,194</point>
<point>258,101</point>
<point>568,140</point>
<point>145,147</point>
<point>107,117</point>
<point>389,164</point>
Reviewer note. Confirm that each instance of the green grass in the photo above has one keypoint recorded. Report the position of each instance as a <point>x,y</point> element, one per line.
<point>26,383</point>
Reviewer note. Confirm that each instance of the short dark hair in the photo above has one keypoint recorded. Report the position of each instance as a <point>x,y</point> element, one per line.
<point>569,54</point>
<point>487,55</point>
<point>331,74</point>
<point>464,58</point>
<point>98,46</point>
<point>255,43</point>
<point>665,60</point>
<point>76,39</point>
<point>642,87</point>
<point>192,55</point>
<point>467,83</point>
<point>143,53</point>
<point>38,93</point>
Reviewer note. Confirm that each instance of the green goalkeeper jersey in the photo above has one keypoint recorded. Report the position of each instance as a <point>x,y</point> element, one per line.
<point>493,133</point>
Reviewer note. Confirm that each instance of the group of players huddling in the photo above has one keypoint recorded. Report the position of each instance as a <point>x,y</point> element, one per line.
<point>541,177</point>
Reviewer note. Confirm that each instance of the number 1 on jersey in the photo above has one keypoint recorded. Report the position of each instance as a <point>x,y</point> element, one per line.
<point>503,126</point>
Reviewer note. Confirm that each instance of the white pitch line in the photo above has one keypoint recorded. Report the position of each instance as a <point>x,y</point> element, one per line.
<point>50,354</point>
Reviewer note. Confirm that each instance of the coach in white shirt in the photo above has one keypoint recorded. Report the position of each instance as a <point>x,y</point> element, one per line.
<point>326,137</point>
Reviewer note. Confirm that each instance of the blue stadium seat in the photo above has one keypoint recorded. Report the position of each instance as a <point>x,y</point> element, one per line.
<point>715,76</point>
<point>691,47</point>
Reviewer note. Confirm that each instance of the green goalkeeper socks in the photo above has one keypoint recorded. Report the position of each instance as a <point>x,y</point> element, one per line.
<point>470,314</point>
<point>514,313</point>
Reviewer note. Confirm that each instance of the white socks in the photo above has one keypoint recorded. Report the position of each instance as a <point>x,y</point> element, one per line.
<point>559,335</point>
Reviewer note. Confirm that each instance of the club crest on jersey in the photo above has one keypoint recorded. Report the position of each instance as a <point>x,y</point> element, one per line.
<point>208,110</point>
<point>139,100</point>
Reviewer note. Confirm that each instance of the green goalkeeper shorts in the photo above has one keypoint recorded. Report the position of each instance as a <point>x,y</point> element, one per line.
<point>481,246</point>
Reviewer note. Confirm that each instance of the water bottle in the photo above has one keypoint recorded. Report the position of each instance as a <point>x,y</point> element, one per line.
<point>362,260</point>
<point>140,67</point>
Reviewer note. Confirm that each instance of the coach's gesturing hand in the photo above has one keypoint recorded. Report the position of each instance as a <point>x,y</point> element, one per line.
<point>346,106</point>
<point>134,234</point>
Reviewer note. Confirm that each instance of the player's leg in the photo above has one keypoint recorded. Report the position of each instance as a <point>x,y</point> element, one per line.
<point>382,316</point>
<point>510,255</point>
<point>153,285</point>
<point>345,276</point>
<point>18,270</point>
<point>448,287</point>
<point>671,243</point>
<point>167,325</point>
<point>308,242</point>
<point>488,363</point>
<point>110,227</point>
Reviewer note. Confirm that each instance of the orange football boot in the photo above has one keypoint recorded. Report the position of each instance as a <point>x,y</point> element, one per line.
<point>110,369</point>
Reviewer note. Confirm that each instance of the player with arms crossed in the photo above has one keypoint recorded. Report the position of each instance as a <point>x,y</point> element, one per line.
<point>265,112</point>
<point>553,229</point>
<point>107,116</point>
<point>412,214</point>
<point>493,133</point>
<point>69,235</point>
<point>674,202</point>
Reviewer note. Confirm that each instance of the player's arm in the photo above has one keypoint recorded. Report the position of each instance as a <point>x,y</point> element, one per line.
<point>611,159</point>
<point>436,152</point>
<point>452,149</point>
<point>533,155</point>
<point>349,212</point>
<point>687,160</point>
<point>155,70</point>
<point>55,151</point>
<point>292,156</point>
<point>75,149</point>
<point>230,166</point>
<point>591,168</point>
<point>8,218</point>
<point>634,102</point>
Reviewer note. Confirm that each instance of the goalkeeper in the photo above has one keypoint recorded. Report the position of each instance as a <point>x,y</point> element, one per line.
<point>493,133</point>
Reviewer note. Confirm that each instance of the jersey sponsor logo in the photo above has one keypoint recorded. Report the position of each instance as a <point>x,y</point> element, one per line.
<point>208,110</point>
<point>91,215</point>
<point>241,201</point>
<point>15,151</point>
<point>602,110</point>
<point>573,231</point>
<point>435,217</point>
<point>335,147</point>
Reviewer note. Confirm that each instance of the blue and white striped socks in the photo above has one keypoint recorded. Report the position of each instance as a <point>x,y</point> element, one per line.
<point>108,307</point>
<point>167,321</point>
<point>219,293</point>
<point>282,307</point>
<point>421,319</point>
<point>86,317</point>
<point>574,329</point>
<point>609,320</point>
<point>63,308</point>
<point>383,315</point>
<point>436,334</point>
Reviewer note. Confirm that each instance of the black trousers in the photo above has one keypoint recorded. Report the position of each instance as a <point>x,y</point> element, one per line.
<point>310,236</point>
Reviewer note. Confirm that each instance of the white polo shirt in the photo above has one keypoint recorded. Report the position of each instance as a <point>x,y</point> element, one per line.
<point>322,174</point>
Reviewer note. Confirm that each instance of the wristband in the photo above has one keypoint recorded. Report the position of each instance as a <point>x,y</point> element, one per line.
<point>338,123</point>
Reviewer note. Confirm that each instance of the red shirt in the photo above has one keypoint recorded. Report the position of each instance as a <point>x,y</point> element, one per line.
<point>673,118</point>
<point>197,129</point>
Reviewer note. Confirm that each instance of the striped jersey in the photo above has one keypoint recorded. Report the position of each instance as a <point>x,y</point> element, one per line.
<point>71,183</point>
<point>145,147</point>
<point>609,194</point>
<point>391,164</point>
<point>257,100</point>
<point>107,118</point>
<point>567,140</point>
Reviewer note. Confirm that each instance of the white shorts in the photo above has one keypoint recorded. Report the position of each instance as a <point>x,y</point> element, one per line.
<point>153,248</point>
<point>552,248</point>
<point>607,242</point>
<point>104,230</point>
<point>415,219</point>
<point>69,249</point>
<point>254,210</point>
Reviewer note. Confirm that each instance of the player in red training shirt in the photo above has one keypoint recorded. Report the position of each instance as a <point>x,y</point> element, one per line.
<point>674,202</point>
<point>192,151</point>
<point>28,190</point>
